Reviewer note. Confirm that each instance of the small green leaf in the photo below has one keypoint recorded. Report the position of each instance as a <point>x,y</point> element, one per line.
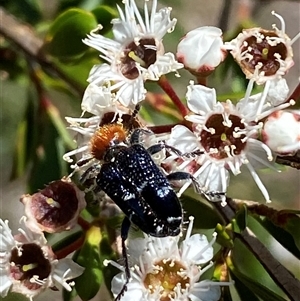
<point>248,287</point>
<point>205,215</point>
<point>87,285</point>
<point>243,290</point>
<point>64,38</point>
<point>224,238</point>
<point>14,297</point>
<point>289,237</point>
<point>239,223</point>
<point>104,14</point>
<point>68,296</point>
<point>292,226</point>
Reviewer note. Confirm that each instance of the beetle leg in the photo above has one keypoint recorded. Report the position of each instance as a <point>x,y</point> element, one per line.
<point>181,176</point>
<point>135,137</point>
<point>153,149</point>
<point>161,145</point>
<point>88,178</point>
<point>124,234</point>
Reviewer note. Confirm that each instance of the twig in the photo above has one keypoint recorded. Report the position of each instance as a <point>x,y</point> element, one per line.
<point>224,15</point>
<point>292,161</point>
<point>23,36</point>
<point>295,94</point>
<point>165,85</point>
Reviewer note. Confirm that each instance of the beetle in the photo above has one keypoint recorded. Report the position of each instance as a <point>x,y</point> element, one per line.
<point>134,182</point>
<point>126,172</point>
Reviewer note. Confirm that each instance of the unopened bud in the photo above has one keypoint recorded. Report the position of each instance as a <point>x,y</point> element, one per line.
<point>201,50</point>
<point>282,132</point>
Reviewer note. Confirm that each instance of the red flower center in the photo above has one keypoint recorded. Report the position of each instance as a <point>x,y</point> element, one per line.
<point>223,138</point>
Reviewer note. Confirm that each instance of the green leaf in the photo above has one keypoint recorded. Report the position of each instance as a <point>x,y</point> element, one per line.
<point>205,215</point>
<point>248,287</point>
<point>104,14</point>
<point>13,129</point>
<point>14,297</point>
<point>252,273</point>
<point>290,241</point>
<point>239,223</point>
<point>64,38</point>
<point>224,237</point>
<point>251,286</point>
<point>87,285</point>
<point>68,296</point>
<point>243,290</point>
<point>77,69</point>
<point>48,164</point>
<point>292,226</point>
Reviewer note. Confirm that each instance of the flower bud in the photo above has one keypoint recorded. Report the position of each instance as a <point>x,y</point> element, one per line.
<point>282,132</point>
<point>55,208</point>
<point>201,50</point>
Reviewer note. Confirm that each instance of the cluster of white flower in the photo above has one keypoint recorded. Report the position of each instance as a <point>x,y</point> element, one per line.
<point>212,140</point>
<point>218,137</point>
<point>222,136</point>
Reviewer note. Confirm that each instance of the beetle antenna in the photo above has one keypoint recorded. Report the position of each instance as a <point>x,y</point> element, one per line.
<point>134,115</point>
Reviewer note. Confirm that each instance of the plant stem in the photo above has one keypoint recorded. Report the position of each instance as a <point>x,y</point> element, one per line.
<point>202,81</point>
<point>295,94</point>
<point>292,161</point>
<point>83,223</point>
<point>160,129</point>
<point>165,85</point>
<point>74,246</point>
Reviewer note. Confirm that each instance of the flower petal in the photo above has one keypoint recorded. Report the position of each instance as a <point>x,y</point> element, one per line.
<point>201,100</point>
<point>135,289</point>
<point>197,249</point>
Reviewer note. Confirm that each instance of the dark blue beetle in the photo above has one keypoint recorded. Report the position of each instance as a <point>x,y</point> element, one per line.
<point>134,182</point>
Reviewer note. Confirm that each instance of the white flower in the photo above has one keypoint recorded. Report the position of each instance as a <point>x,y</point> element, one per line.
<point>128,91</point>
<point>28,265</point>
<point>163,270</point>
<point>263,54</point>
<point>282,132</point>
<point>201,50</point>
<point>97,100</point>
<point>136,53</point>
<point>226,137</point>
